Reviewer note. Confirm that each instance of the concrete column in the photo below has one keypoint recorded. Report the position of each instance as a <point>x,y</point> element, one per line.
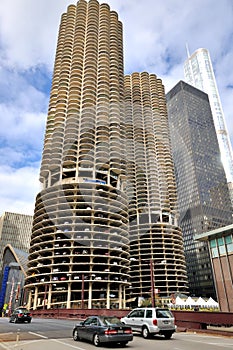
<point>90,296</point>
<point>108,296</point>
<point>120,297</point>
<point>68,304</point>
<point>29,303</point>
<point>49,297</point>
<point>124,297</point>
<point>35,298</point>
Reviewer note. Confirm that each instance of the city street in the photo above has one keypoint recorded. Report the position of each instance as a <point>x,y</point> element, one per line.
<point>57,335</point>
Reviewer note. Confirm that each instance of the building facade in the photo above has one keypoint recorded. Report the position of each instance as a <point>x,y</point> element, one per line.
<point>154,235</point>
<point>14,272</point>
<point>79,255</point>
<point>220,243</point>
<point>198,72</point>
<point>203,196</point>
<point>15,229</point>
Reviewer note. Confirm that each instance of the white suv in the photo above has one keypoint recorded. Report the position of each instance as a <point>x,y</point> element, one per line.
<point>149,321</point>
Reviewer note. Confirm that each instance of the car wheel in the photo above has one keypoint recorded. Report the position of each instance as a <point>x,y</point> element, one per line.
<point>15,320</point>
<point>167,335</point>
<point>96,340</point>
<point>75,335</point>
<point>29,321</point>
<point>145,332</point>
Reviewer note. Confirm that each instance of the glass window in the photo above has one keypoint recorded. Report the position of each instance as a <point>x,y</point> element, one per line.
<point>111,320</point>
<point>222,250</point>
<point>214,252</point>
<point>140,313</point>
<point>163,313</point>
<point>148,313</point>
<point>88,321</point>
<point>133,313</point>
<point>228,239</point>
<point>212,243</point>
<point>230,247</point>
<point>220,241</point>
<point>94,322</point>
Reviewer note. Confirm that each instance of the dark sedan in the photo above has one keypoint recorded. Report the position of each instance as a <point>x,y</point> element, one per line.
<point>20,314</point>
<point>103,329</point>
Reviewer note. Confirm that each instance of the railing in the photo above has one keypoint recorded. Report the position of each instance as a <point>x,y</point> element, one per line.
<point>184,319</point>
<point>78,314</point>
<point>202,319</point>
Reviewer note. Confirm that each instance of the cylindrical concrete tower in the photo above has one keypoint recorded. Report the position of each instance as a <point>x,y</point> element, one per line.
<point>156,243</point>
<point>79,255</point>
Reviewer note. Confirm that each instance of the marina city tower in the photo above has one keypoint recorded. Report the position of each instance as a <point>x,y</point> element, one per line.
<point>79,254</point>
<point>156,242</point>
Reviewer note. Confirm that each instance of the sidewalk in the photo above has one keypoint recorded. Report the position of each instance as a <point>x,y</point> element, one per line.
<point>213,330</point>
<point>222,329</point>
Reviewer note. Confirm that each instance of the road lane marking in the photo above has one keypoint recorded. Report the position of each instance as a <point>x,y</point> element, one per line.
<point>71,346</point>
<point>210,343</point>
<point>38,335</point>
<point>220,344</point>
<point>4,346</point>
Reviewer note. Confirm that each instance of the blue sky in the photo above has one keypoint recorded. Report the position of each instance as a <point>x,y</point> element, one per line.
<point>155,35</point>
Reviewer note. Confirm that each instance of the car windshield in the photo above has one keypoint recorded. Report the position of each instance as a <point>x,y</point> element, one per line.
<point>111,320</point>
<point>163,313</point>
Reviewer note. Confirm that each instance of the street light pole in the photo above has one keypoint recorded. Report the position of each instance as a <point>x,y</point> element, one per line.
<point>152,280</point>
<point>11,295</point>
<point>82,296</point>
<point>45,295</point>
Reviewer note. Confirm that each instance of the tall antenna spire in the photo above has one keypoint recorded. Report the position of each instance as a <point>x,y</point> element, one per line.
<point>187,50</point>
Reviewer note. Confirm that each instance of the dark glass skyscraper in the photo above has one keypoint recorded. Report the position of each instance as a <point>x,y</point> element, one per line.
<point>203,196</point>
<point>199,73</point>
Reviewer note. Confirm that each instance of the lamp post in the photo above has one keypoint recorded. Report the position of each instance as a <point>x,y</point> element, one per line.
<point>83,290</point>
<point>152,282</point>
<point>152,278</point>
<point>151,263</point>
<point>18,293</point>
<point>82,293</point>
<point>11,296</point>
<point>45,295</point>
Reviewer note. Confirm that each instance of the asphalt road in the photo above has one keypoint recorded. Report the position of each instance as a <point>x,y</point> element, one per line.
<point>52,334</point>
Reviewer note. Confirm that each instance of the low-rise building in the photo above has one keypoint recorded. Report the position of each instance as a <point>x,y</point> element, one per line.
<point>220,242</point>
<point>14,271</point>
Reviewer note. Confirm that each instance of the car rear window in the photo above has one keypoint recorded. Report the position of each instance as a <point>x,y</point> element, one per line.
<point>163,313</point>
<point>111,320</point>
<point>23,311</point>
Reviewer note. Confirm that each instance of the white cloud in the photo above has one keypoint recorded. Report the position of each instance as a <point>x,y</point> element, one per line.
<point>18,188</point>
<point>22,128</point>
<point>29,30</point>
<point>155,35</point>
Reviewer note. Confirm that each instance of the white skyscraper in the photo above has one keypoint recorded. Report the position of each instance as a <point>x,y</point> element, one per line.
<point>198,71</point>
